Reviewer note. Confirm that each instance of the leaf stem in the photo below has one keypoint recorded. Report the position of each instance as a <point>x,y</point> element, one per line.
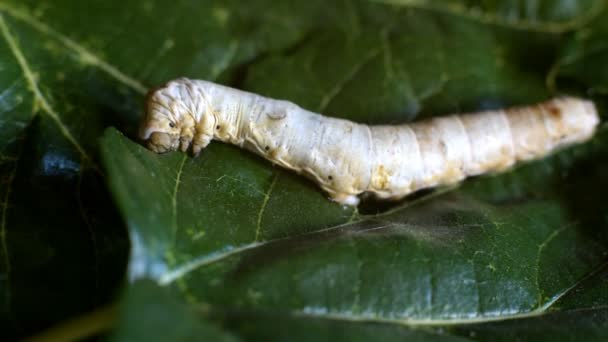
<point>79,328</point>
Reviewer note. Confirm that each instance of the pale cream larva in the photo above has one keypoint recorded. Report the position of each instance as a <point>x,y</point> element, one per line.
<point>346,158</point>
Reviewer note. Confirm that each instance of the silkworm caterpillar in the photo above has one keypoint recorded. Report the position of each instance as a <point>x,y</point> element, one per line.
<point>347,158</point>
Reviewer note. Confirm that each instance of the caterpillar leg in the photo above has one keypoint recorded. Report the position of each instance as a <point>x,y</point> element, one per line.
<point>345,199</point>
<point>200,142</point>
<point>184,143</point>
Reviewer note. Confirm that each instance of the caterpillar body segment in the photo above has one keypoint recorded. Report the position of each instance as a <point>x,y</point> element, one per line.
<point>347,158</point>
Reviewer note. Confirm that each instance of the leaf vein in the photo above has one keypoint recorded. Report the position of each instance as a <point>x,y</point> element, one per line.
<point>178,177</point>
<point>539,253</point>
<point>35,89</point>
<point>493,19</point>
<point>429,322</point>
<point>335,91</point>
<point>84,53</point>
<point>258,228</point>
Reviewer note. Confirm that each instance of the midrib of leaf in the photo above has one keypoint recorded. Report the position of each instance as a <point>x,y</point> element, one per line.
<point>84,54</point>
<point>486,18</point>
<point>419,323</point>
<point>204,260</point>
<point>434,322</point>
<point>549,304</point>
<point>39,99</point>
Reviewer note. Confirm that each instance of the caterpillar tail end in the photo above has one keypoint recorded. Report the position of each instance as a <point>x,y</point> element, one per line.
<point>582,118</point>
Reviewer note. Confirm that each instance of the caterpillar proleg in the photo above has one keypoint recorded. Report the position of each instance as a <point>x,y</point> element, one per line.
<point>347,158</point>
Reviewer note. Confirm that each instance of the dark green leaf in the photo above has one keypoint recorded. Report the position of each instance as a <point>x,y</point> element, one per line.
<point>63,245</point>
<point>544,15</point>
<point>149,313</point>
<point>583,58</point>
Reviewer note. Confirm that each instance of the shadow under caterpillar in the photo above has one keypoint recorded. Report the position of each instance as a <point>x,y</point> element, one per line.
<point>346,158</point>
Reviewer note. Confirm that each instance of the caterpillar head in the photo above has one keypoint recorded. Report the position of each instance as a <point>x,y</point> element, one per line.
<point>171,114</point>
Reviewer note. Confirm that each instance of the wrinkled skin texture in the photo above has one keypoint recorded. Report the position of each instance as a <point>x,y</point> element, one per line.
<point>163,142</point>
<point>171,120</point>
<point>346,158</point>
